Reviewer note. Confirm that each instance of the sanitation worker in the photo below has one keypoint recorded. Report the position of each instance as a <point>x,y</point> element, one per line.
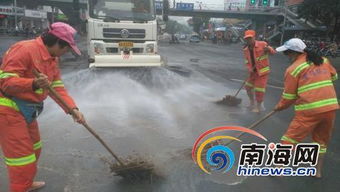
<point>21,100</point>
<point>309,87</point>
<point>257,61</point>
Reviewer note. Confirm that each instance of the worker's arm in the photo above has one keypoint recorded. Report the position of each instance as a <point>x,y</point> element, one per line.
<point>290,93</point>
<point>269,50</point>
<point>58,85</point>
<point>332,70</point>
<point>15,64</point>
<point>246,61</point>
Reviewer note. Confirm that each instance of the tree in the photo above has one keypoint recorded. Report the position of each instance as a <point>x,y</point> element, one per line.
<point>197,22</point>
<point>173,27</point>
<point>327,11</point>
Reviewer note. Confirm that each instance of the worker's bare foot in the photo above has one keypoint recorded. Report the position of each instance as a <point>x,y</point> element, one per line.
<point>37,185</point>
<point>261,107</point>
<point>256,110</point>
<point>250,107</point>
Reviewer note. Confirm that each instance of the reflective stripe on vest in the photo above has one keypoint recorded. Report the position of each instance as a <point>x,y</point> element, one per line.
<point>316,85</point>
<point>323,148</point>
<point>265,69</point>
<point>37,145</point>
<point>289,96</point>
<point>8,103</point>
<point>299,68</point>
<point>249,84</point>
<point>259,89</point>
<point>6,75</point>
<point>263,57</point>
<point>57,83</point>
<point>39,91</point>
<point>20,161</point>
<point>288,139</point>
<point>316,104</point>
<point>335,77</point>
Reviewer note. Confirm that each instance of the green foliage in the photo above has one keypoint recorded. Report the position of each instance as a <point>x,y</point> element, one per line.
<point>173,27</point>
<point>197,22</point>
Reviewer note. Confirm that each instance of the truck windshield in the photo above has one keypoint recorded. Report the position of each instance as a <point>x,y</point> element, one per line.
<point>123,9</point>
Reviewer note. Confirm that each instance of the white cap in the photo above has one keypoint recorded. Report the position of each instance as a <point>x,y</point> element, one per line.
<point>294,44</point>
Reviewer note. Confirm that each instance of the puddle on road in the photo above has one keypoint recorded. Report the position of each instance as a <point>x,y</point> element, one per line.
<point>154,112</point>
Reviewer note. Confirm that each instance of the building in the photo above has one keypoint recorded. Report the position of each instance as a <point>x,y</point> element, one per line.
<point>7,16</point>
<point>235,5</point>
<point>11,16</point>
<point>35,18</point>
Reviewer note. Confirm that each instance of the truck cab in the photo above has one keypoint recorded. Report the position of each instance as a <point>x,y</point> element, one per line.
<point>122,33</point>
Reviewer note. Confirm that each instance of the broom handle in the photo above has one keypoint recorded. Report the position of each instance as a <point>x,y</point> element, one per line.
<point>261,120</point>
<point>238,91</point>
<point>255,124</point>
<point>52,92</point>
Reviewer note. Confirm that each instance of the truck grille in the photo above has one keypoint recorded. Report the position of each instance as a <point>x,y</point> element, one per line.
<point>137,50</point>
<point>116,33</point>
<point>112,50</point>
<point>117,41</point>
<point>116,50</point>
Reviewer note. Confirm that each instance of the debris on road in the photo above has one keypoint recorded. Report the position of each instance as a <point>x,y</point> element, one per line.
<point>232,100</point>
<point>133,169</point>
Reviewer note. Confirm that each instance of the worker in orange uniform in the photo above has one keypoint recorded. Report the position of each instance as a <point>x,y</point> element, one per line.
<point>309,86</point>
<point>21,100</point>
<point>257,61</point>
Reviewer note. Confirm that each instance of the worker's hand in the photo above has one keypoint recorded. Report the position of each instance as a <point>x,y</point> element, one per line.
<point>254,69</point>
<point>78,116</point>
<point>278,108</point>
<point>41,82</point>
<point>266,49</point>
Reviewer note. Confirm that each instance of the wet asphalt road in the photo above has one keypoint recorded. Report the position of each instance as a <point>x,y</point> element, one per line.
<point>158,113</point>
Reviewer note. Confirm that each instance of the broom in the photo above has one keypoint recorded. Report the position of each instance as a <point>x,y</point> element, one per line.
<point>133,169</point>
<point>232,100</point>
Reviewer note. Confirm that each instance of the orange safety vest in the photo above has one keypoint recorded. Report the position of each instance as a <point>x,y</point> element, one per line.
<point>16,74</point>
<point>261,58</point>
<point>310,87</point>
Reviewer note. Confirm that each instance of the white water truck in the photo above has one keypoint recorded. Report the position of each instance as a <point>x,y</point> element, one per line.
<point>123,33</point>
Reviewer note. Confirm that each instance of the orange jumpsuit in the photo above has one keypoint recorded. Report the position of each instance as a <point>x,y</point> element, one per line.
<point>311,89</point>
<point>20,141</point>
<point>259,70</point>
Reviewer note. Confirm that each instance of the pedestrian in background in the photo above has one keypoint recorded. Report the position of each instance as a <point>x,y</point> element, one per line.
<point>256,55</point>
<point>309,86</point>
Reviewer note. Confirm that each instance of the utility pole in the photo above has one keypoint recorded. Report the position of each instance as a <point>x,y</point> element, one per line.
<point>284,21</point>
<point>52,19</point>
<point>15,13</point>
<point>76,12</point>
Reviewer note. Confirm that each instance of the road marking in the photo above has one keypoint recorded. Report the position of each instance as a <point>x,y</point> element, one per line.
<point>271,86</point>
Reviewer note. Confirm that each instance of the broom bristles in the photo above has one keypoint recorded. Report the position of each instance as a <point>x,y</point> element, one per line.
<point>230,101</point>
